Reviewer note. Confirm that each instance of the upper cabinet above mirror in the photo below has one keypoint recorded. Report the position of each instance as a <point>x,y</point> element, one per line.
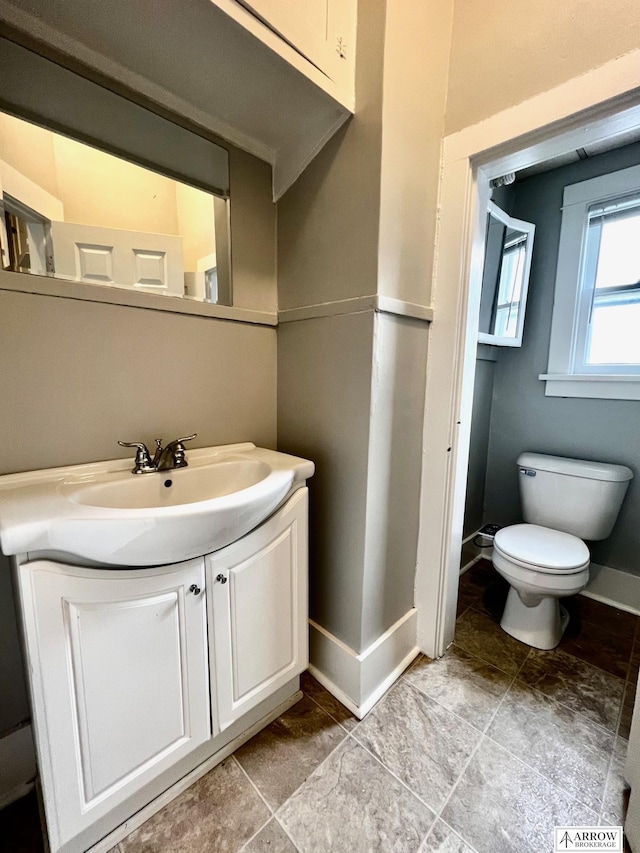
<point>259,74</point>
<point>505,278</point>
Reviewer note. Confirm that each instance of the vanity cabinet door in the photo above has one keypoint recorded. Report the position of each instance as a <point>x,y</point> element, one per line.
<point>258,611</point>
<point>120,683</point>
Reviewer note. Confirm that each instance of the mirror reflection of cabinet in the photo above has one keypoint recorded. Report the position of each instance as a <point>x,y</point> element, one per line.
<point>505,279</point>
<point>98,190</point>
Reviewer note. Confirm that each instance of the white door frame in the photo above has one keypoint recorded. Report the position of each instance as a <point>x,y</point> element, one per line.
<point>599,105</point>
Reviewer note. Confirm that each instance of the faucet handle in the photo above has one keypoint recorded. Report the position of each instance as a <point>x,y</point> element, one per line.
<point>176,444</point>
<point>186,438</point>
<point>177,449</point>
<point>143,465</point>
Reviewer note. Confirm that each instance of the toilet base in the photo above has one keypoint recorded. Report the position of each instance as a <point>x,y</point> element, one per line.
<point>540,626</point>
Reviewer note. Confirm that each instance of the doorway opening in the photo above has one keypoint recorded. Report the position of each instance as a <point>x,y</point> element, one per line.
<point>517,140</point>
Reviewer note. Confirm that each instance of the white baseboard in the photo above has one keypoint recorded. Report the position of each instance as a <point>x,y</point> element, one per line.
<point>360,680</point>
<point>470,549</point>
<point>17,765</point>
<point>611,586</point>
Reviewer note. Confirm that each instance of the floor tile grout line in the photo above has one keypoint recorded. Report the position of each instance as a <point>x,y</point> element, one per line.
<point>633,641</point>
<point>558,648</point>
<point>520,760</point>
<point>583,716</point>
<point>272,817</point>
<point>477,657</point>
<point>524,763</point>
<point>274,811</point>
<point>620,710</point>
<point>506,692</point>
<point>253,785</point>
<point>625,682</point>
<point>546,778</point>
<point>579,713</point>
<point>477,747</point>
<point>540,775</point>
<point>484,660</point>
<point>588,663</point>
<point>606,781</point>
<point>256,833</point>
<point>328,713</point>
<point>395,776</point>
<point>287,833</point>
<point>317,767</point>
<point>441,820</point>
<point>613,734</point>
<point>440,705</point>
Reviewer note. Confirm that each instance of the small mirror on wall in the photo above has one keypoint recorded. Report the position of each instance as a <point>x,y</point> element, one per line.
<point>505,279</point>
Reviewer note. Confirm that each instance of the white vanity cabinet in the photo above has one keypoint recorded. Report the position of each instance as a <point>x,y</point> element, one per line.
<point>119,680</point>
<point>139,676</point>
<point>257,591</point>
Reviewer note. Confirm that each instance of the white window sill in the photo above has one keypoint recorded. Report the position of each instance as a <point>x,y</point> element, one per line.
<point>593,386</point>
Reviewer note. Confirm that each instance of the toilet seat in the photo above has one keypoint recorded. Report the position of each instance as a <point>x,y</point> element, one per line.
<point>541,549</point>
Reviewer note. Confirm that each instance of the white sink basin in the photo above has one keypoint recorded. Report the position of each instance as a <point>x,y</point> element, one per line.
<point>170,488</point>
<point>102,513</point>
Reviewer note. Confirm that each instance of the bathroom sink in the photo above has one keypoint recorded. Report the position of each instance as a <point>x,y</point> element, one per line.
<point>170,488</point>
<point>102,513</point>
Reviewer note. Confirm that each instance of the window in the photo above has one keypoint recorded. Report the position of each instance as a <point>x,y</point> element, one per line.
<point>595,334</point>
<point>510,284</point>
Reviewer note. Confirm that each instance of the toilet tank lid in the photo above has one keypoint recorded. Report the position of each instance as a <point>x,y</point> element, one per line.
<point>575,467</point>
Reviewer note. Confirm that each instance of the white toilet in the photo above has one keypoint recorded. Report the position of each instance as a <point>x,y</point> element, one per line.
<point>544,560</point>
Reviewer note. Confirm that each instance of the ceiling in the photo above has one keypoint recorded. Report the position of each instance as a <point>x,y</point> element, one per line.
<point>590,150</point>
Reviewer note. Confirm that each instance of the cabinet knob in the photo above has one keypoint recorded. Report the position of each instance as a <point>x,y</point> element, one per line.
<point>195,589</point>
<point>221,578</point>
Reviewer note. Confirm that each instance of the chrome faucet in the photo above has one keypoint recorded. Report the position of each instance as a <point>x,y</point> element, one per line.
<point>164,459</point>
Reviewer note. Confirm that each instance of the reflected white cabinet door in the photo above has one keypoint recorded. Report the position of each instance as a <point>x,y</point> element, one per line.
<point>112,256</point>
<point>257,589</point>
<point>120,681</point>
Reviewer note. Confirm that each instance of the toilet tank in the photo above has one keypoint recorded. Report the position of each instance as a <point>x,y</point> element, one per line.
<point>572,495</point>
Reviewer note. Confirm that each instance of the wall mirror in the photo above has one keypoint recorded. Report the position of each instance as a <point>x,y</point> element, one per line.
<point>99,190</point>
<point>505,279</point>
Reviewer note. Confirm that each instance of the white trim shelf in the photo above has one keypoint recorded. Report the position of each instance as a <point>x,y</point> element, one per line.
<point>597,386</point>
<point>55,287</point>
<point>374,302</point>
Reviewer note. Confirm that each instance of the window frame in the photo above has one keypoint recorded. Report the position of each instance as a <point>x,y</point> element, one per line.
<point>571,308</point>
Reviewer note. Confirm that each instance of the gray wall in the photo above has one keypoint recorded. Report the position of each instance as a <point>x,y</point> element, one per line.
<point>351,387</point>
<point>479,441</point>
<point>522,417</point>
<point>76,376</point>
<point>395,466</point>
<point>328,225</point>
<point>324,400</point>
<point>474,516</point>
<point>328,221</point>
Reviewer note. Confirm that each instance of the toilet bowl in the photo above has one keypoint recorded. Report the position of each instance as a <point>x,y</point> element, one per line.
<point>541,566</point>
<point>545,559</point>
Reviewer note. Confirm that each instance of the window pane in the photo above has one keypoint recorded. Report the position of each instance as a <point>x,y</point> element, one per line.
<point>611,273</point>
<point>614,334</point>
<point>510,290</point>
<point>619,257</point>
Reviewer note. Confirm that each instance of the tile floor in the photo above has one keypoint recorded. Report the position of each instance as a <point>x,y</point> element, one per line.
<point>482,751</point>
